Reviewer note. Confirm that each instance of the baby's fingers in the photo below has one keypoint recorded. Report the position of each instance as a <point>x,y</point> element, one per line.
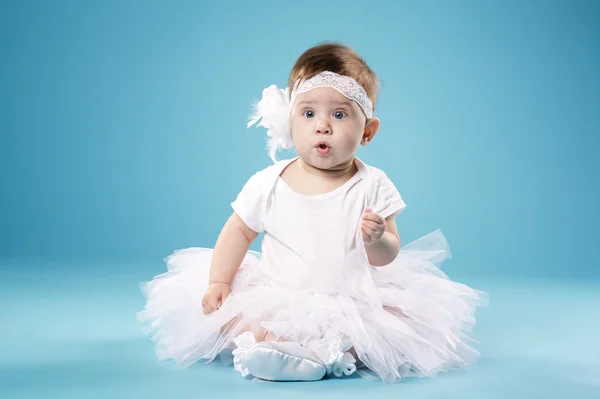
<point>374,217</point>
<point>213,304</point>
<point>205,307</point>
<point>209,304</point>
<point>367,232</point>
<point>374,226</point>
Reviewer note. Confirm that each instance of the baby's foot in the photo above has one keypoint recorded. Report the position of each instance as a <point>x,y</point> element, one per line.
<point>284,361</point>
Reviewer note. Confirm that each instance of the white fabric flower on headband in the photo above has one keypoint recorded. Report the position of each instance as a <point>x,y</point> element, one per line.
<point>273,110</point>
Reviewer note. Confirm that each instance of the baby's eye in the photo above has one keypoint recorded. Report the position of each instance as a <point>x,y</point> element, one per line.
<point>309,113</point>
<point>339,115</point>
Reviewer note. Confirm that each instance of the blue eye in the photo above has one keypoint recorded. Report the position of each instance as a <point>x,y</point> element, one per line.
<point>309,113</point>
<point>339,114</point>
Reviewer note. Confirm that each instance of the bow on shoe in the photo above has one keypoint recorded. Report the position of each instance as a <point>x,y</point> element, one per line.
<point>244,343</point>
<point>342,363</point>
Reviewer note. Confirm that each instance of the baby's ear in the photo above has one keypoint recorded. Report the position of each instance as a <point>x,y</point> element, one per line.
<point>371,128</point>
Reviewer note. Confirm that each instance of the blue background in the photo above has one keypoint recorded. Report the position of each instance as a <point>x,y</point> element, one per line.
<point>123,139</point>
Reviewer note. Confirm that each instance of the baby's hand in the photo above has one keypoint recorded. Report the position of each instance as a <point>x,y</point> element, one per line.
<point>373,227</point>
<point>216,294</point>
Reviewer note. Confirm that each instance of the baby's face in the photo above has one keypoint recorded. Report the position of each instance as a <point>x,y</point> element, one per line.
<point>327,128</point>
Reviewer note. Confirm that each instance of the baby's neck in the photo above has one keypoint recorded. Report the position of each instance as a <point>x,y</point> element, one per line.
<point>308,180</point>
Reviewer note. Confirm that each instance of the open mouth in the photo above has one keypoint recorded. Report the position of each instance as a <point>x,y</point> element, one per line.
<point>323,148</point>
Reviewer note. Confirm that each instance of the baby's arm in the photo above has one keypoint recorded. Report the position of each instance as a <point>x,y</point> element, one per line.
<point>382,239</point>
<point>229,252</point>
<point>231,247</point>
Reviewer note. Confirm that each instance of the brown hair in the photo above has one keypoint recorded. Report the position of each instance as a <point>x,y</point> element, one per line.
<point>336,58</point>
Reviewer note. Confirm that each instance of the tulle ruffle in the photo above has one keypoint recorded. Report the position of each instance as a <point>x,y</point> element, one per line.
<point>418,327</point>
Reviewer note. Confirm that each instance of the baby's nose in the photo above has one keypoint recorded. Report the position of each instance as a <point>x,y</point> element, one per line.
<point>323,128</point>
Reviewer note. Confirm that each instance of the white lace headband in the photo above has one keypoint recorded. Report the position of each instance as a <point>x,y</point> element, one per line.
<point>273,110</point>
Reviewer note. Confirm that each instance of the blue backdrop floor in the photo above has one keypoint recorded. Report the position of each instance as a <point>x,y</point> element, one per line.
<point>69,331</point>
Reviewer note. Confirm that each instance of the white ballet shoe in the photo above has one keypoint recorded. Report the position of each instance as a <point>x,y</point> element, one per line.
<point>284,361</point>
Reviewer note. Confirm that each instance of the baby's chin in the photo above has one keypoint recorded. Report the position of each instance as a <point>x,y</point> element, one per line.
<point>327,163</point>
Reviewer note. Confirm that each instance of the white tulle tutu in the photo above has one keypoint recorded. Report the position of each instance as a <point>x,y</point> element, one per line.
<point>414,322</point>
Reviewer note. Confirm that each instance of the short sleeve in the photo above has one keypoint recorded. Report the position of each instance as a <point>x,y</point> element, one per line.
<point>386,198</point>
<point>250,203</point>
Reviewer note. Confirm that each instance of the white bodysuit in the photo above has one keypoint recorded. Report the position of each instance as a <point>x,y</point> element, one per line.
<point>307,237</point>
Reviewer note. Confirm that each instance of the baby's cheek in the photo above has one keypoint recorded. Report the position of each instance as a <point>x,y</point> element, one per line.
<point>350,145</point>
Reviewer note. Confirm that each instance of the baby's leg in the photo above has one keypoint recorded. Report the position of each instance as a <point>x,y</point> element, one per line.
<point>261,334</point>
<point>269,336</point>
